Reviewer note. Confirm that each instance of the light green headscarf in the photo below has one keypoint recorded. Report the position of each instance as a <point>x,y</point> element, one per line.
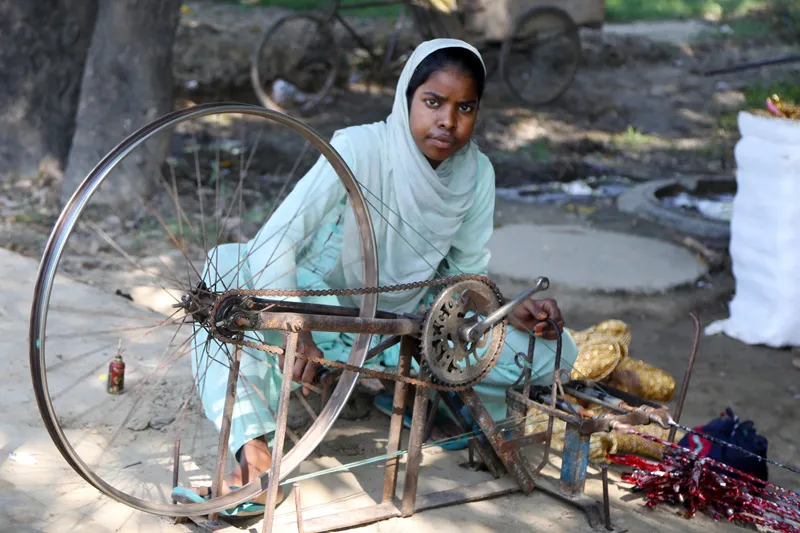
<point>420,215</point>
<point>416,210</point>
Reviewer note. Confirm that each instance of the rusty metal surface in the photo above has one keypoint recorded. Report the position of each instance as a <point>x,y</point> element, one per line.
<point>687,376</point>
<point>225,427</point>
<point>308,322</point>
<point>447,354</point>
<point>513,461</point>
<point>606,502</point>
<point>640,416</point>
<point>176,464</point>
<point>519,442</point>
<point>414,457</point>
<point>396,425</point>
<point>280,435</point>
<point>483,449</point>
<point>474,332</point>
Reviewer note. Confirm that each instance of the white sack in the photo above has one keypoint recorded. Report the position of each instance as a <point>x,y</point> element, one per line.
<point>765,234</point>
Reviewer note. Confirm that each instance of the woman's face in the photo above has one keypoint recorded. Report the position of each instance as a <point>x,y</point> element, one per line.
<point>442,115</point>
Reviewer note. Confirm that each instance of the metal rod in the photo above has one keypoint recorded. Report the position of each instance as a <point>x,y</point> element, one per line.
<point>225,427</point>
<point>606,503</point>
<point>414,459</point>
<point>526,388</point>
<point>512,460</point>
<point>383,346</point>
<point>475,332</point>
<point>396,425</point>
<point>326,373</point>
<point>280,433</point>
<point>590,398</point>
<point>298,508</point>
<point>176,458</point>
<point>283,306</point>
<point>310,410</point>
<point>553,392</point>
<point>755,64</point>
<point>687,376</point>
<point>337,324</point>
<point>519,442</point>
<point>476,445</point>
<point>432,417</point>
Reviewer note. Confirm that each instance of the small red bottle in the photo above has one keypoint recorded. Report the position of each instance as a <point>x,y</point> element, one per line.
<point>116,376</point>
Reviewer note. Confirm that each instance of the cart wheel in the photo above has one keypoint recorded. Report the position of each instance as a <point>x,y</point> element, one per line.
<point>295,64</point>
<point>207,225</point>
<point>541,55</point>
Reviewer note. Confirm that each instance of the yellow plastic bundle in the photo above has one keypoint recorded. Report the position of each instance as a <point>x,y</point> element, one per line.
<point>643,380</point>
<point>603,356</point>
<point>603,444</point>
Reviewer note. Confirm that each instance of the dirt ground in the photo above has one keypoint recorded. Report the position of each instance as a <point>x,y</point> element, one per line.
<point>638,108</point>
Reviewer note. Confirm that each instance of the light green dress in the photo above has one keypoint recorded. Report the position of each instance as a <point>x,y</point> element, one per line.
<point>317,263</point>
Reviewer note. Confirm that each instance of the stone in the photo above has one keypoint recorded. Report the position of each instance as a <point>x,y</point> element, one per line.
<point>586,259</point>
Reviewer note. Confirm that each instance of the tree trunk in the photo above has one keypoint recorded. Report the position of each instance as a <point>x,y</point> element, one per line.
<point>127,83</point>
<point>43,47</point>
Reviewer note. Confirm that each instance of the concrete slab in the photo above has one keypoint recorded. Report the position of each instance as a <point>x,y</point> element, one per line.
<point>47,496</point>
<point>586,259</point>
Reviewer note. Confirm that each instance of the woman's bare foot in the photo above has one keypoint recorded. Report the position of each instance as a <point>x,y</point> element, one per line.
<point>254,460</point>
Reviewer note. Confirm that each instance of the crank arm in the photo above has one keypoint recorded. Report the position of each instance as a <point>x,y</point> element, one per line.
<point>476,331</point>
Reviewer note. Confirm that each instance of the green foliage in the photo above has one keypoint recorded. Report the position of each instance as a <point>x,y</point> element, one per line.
<point>314,5</point>
<point>787,90</point>
<point>630,10</point>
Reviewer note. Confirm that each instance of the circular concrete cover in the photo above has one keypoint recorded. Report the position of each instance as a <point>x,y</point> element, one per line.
<point>589,259</point>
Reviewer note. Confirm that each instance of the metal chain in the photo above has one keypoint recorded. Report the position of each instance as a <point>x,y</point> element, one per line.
<point>288,293</point>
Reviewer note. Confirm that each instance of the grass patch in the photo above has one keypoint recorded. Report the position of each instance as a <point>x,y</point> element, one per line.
<point>755,95</point>
<point>635,139</point>
<point>631,10</point>
<point>317,5</point>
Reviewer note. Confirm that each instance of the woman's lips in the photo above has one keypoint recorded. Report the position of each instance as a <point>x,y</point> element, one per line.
<point>442,141</point>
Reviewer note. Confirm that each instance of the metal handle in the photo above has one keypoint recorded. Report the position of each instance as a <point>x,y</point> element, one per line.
<point>476,331</point>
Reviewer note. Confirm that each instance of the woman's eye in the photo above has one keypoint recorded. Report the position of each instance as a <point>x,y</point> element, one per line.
<point>465,108</point>
<point>431,102</point>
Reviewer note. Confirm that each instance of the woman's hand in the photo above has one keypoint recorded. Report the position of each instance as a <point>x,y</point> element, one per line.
<point>529,314</point>
<point>304,371</point>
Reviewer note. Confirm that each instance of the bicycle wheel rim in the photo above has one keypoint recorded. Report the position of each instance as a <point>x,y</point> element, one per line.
<point>255,75</point>
<point>46,277</point>
<point>571,31</point>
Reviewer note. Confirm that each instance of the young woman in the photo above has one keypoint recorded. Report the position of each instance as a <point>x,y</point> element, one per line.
<point>431,194</point>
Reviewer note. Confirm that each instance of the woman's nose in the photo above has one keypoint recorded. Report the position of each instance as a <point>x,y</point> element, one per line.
<point>446,120</point>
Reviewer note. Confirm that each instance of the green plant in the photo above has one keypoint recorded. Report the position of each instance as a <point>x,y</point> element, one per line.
<point>629,10</point>
<point>633,138</point>
<point>311,5</point>
<point>756,94</point>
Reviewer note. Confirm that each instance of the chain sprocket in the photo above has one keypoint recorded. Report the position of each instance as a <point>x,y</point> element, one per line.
<point>448,357</point>
<point>287,293</point>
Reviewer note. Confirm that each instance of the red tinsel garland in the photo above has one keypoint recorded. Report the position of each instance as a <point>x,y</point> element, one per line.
<point>703,484</point>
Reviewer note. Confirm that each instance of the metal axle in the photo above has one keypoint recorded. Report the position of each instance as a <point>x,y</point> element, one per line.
<point>475,332</point>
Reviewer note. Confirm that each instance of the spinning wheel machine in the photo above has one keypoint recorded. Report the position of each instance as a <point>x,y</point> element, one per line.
<point>444,352</point>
